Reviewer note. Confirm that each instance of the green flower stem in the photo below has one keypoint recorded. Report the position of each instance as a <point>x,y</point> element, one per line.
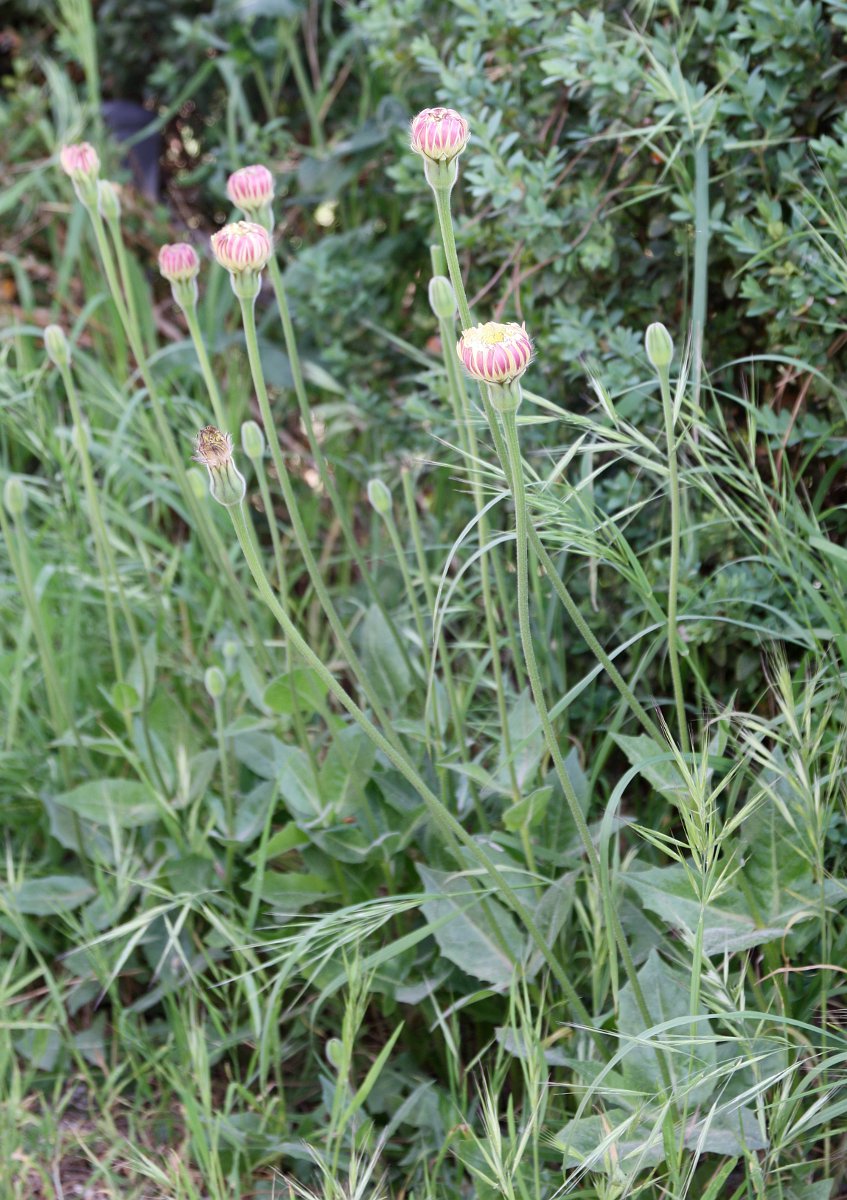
<point>673,570</point>
<point>301,537</point>
<point>114,227</point>
<point>559,586</point>
<point>190,313</point>
<point>454,834</point>
<point>701,264</point>
<point>198,512</point>
<point>226,788</point>
<point>285,594</point>
<point>456,712</point>
<point>321,464</point>
<point>467,433</point>
<point>514,467</point>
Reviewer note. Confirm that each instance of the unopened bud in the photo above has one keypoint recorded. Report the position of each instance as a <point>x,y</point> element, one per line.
<point>442,298</point>
<point>56,345</point>
<point>659,346</point>
<point>215,682</point>
<point>197,483</point>
<point>81,163</point>
<point>14,496</point>
<point>252,441</point>
<point>380,497</point>
<point>109,200</point>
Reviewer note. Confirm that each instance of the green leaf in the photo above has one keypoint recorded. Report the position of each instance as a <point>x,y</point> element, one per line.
<point>527,742</point>
<point>657,767</point>
<point>288,892</point>
<point>290,837</point>
<point>347,770</point>
<point>383,660</point>
<point>529,811</point>
<point>103,801</point>
<point>666,993</point>
<point>482,939</point>
<point>49,895</point>
<point>299,689</point>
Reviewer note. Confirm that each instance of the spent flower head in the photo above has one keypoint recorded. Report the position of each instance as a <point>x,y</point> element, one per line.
<point>495,353</point>
<point>251,189</point>
<point>214,450</point>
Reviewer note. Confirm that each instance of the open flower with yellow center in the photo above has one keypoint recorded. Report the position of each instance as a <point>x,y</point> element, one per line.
<point>243,247</point>
<point>495,353</point>
<point>214,450</point>
<point>251,188</point>
<point>439,134</point>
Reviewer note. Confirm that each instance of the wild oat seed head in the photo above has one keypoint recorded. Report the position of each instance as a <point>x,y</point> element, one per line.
<point>251,188</point>
<point>242,247</point>
<point>439,134</point>
<point>494,352</point>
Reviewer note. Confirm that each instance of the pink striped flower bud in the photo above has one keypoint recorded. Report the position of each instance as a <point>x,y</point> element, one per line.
<point>242,247</point>
<point>251,188</point>
<point>178,262</point>
<point>439,134</point>
<point>495,353</point>
<point>80,161</point>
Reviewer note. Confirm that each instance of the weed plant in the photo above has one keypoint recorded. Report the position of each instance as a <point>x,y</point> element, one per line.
<point>438,787</point>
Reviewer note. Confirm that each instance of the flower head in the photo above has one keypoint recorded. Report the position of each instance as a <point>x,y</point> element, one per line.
<point>243,247</point>
<point>251,188</point>
<point>659,346</point>
<point>495,353</point>
<point>439,134</point>
<point>178,262</point>
<point>80,161</point>
<point>214,450</point>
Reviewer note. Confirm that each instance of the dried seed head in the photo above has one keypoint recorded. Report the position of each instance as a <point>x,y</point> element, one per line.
<point>214,450</point>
